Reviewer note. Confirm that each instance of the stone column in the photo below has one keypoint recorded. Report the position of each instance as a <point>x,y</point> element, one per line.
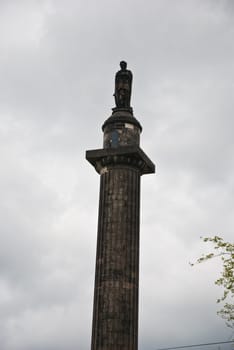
<point>120,163</point>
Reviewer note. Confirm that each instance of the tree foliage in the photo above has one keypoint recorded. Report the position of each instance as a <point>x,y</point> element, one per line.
<point>225,251</point>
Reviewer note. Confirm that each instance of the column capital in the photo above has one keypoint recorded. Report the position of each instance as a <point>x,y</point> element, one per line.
<point>132,156</point>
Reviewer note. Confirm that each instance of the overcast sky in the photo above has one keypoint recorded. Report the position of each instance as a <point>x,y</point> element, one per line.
<point>57,64</point>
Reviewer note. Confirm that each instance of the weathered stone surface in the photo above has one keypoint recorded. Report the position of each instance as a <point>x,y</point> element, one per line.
<point>121,129</point>
<point>122,116</point>
<point>115,318</point>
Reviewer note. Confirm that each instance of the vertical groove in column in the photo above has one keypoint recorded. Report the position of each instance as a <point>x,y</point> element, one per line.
<point>101,260</point>
<point>137,212</point>
<point>135,306</point>
<point>109,247</point>
<point>105,263</point>
<point>130,237</point>
<point>132,229</point>
<point>135,248</point>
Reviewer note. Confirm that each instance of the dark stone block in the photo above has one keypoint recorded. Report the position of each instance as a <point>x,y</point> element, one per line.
<point>132,156</point>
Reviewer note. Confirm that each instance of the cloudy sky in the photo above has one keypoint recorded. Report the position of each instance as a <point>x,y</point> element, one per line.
<point>57,64</point>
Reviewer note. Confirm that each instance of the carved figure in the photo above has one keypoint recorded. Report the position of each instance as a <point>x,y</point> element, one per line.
<point>123,86</point>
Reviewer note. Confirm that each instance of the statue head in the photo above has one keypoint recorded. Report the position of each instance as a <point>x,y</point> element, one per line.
<point>123,65</point>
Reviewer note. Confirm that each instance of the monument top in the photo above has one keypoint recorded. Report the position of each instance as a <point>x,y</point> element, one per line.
<point>123,86</point>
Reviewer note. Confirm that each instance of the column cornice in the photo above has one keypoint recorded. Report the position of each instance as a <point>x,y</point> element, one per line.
<point>132,156</point>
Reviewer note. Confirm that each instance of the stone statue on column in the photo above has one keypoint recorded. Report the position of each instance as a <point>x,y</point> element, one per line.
<point>123,86</point>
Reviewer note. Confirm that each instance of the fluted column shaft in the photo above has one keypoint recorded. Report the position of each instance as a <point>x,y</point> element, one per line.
<point>115,315</point>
